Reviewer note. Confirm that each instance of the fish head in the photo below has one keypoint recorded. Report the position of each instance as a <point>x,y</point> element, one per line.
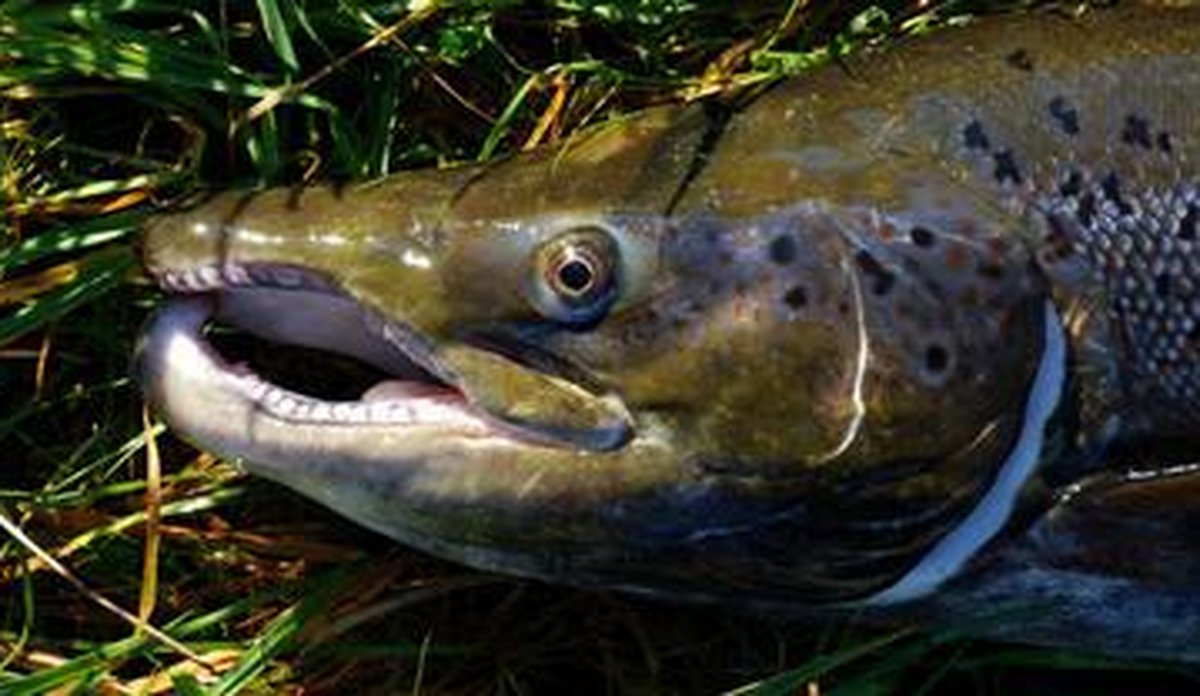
<point>583,385</point>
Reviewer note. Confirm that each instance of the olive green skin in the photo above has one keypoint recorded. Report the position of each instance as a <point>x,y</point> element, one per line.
<point>759,461</point>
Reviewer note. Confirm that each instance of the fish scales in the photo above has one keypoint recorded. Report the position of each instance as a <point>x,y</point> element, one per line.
<point>915,335</point>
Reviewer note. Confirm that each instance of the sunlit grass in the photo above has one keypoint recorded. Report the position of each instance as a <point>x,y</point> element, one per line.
<point>113,109</point>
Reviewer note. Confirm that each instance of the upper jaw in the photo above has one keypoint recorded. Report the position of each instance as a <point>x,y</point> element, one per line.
<point>205,395</point>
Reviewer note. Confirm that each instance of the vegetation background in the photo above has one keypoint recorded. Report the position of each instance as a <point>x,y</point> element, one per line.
<point>113,109</point>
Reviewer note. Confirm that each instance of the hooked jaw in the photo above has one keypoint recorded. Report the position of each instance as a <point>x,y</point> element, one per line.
<point>288,305</point>
<point>189,379</point>
<point>334,450</point>
<point>412,455</point>
<point>412,458</point>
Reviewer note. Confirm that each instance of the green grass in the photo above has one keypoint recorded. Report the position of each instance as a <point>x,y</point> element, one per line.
<point>112,109</point>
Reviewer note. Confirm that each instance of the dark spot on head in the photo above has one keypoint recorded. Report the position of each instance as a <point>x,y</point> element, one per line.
<point>1058,240</point>
<point>937,358</point>
<point>1087,209</point>
<point>782,250</point>
<point>1072,185</point>
<point>922,236</point>
<point>1020,59</point>
<point>1163,140</point>
<point>1136,131</point>
<point>1006,167</point>
<point>1162,285</point>
<point>975,138</point>
<point>843,308</point>
<point>1111,186</point>
<point>881,278</point>
<point>1064,115</point>
<point>1187,223</point>
<point>956,257</point>
<point>796,297</point>
<point>991,269</point>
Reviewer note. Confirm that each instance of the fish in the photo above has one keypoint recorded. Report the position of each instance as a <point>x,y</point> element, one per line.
<point>913,336</point>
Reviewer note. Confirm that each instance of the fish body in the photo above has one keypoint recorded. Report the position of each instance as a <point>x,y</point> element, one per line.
<point>884,339</point>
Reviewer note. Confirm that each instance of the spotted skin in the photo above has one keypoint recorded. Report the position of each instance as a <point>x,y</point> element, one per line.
<point>1083,157</point>
<point>1117,233</point>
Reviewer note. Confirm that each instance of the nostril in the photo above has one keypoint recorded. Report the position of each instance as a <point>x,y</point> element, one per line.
<point>937,358</point>
<point>796,297</point>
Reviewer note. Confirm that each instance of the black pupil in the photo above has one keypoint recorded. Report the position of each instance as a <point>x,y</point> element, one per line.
<point>575,275</point>
<point>936,358</point>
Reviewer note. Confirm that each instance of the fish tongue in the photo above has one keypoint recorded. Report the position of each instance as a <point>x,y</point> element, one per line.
<point>399,390</point>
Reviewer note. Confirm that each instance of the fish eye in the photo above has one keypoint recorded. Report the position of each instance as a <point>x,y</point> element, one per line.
<point>575,278</point>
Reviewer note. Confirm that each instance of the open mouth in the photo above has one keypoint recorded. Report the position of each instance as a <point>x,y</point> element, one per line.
<point>288,344</point>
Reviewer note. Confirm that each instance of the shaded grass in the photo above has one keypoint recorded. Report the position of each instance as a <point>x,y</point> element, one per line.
<point>112,109</point>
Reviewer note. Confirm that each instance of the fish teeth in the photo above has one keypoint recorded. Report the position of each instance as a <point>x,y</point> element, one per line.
<point>321,411</point>
<point>379,412</point>
<point>287,404</point>
<point>256,389</point>
<point>215,277</point>
<point>208,276</point>
<point>235,274</point>
<point>167,280</point>
<point>260,275</point>
<point>273,397</point>
<point>287,277</point>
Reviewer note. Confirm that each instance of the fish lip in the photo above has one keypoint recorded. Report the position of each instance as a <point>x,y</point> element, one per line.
<point>200,288</point>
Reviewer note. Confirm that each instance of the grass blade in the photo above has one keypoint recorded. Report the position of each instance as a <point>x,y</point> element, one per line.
<point>97,274</point>
<point>71,239</point>
<point>278,32</point>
